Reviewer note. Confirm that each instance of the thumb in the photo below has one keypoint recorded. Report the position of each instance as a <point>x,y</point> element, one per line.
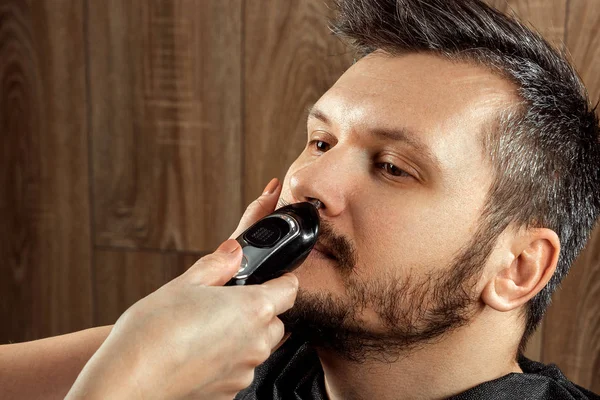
<point>259,208</point>
<point>217,268</point>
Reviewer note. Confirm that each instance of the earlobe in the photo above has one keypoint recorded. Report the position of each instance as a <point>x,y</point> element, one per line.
<point>536,255</point>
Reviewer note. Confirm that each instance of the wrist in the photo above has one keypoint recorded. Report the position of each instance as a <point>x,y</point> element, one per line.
<point>110,373</point>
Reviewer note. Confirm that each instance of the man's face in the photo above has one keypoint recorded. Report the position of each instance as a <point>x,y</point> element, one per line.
<point>395,154</point>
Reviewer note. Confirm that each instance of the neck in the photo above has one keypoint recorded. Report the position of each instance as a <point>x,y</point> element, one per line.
<point>464,358</point>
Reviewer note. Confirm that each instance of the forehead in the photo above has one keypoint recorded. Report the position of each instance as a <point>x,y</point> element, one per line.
<point>413,84</point>
<point>447,103</point>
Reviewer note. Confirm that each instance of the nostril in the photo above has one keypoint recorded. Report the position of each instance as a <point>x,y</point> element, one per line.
<point>315,202</point>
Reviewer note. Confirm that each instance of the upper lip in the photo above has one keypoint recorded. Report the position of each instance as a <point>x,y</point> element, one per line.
<point>323,249</point>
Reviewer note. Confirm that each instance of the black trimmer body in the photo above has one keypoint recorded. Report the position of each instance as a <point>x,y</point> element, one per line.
<point>277,244</point>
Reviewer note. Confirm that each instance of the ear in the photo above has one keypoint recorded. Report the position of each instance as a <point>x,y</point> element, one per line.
<point>535,257</point>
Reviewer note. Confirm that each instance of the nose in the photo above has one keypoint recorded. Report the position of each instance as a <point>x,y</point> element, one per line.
<point>330,179</point>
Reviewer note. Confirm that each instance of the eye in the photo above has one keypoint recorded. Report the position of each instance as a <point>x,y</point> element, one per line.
<point>320,145</point>
<point>392,170</point>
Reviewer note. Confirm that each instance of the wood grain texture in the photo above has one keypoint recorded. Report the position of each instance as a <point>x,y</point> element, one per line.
<point>545,16</point>
<point>124,277</point>
<point>291,59</point>
<point>166,122</point>
<point>45,244</point>
<point>583,43</point>
<point>572,327</point>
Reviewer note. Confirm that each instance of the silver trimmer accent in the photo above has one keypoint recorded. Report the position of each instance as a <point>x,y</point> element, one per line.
<point>317,203</point>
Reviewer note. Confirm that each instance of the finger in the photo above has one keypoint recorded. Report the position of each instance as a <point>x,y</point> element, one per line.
<point>282,292</point>
<point>260,207</point>
<point>275,332</point>
<point>217,268</point>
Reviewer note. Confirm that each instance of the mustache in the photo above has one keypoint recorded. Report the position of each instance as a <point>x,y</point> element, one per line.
<point>340,246</point>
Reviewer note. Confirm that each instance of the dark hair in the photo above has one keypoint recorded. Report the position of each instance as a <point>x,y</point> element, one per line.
<point>544,150</point>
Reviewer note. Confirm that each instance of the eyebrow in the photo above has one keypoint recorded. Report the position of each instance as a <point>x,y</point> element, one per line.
<point>396,135</point>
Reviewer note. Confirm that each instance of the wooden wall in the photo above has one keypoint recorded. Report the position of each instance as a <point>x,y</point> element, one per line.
<point>134,132</point>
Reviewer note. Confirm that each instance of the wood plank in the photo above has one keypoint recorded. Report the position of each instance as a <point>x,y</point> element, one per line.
<point>124,277</point>
<point>572,335</point>
<point>291,59</point>
<point>583,43</point>
<point>166,122</point>
<point>545,16</point>
<point>45,243</point>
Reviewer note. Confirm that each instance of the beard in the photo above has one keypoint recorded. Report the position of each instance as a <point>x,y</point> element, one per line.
<point>412,311</point>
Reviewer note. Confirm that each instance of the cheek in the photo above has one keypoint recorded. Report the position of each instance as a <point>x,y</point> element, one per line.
<point>420,235</point>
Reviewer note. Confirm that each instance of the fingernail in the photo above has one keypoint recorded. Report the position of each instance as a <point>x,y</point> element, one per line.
<point>270,188</point>
<point>229,246</point>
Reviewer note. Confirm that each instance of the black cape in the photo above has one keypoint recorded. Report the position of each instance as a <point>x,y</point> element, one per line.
<point>294,372</point>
